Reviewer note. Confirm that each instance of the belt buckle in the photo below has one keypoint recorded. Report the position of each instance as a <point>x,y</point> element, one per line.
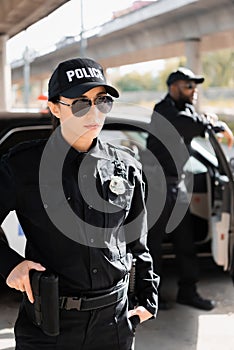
<point>73,303</point>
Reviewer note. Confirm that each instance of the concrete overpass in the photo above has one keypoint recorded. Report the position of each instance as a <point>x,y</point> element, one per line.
<point>162,29</point>
<point>16,16</point>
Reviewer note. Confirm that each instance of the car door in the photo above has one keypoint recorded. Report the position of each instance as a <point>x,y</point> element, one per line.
<point>225,181</point>
<point>212,198</point>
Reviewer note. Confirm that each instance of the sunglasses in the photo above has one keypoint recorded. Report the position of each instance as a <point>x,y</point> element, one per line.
<point>190,85</point>
<point>82,105</point>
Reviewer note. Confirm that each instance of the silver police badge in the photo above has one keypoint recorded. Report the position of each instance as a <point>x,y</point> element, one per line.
<point>117,185</point>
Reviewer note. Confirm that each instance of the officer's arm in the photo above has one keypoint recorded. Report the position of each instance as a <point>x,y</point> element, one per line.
<point>225,131</point>
<point>9,258</point>
<point>13,267</point>
<point>146,280</point>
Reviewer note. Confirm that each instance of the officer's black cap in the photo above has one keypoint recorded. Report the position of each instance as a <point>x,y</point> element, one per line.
<point>72,78</point>
<point>184,74</point>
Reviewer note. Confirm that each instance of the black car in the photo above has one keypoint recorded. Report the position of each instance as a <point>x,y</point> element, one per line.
<point>212,193</point>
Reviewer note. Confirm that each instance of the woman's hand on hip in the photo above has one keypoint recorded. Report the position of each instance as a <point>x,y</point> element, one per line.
<point>19,277</point>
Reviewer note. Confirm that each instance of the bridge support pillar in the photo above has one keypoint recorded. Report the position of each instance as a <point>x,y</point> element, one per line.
<point>193,55</point>
<point>5,75</point>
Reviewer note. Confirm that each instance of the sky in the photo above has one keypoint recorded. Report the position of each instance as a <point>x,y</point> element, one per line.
<point>66,21</point>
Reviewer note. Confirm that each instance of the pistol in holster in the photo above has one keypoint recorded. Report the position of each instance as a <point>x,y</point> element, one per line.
<point>46,301</point>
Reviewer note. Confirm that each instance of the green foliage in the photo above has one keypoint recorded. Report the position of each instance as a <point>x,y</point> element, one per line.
<point>218,68</point>
<point>170,66</point>
<point>136,82</point>
<point>231,125</point>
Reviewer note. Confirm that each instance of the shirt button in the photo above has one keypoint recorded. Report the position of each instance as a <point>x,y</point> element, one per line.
<point>94,270</point>
<point>45,205</point>
<point>90,207</point>
<point>92,240</point>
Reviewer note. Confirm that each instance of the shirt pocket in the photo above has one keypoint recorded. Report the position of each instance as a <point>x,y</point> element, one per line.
<point>117,206</point>
<point>122,200</point>
<point>37,207</point>
<point>118,190</point>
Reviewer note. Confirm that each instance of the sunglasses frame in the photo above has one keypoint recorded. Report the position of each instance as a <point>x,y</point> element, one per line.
<point>189,85</point>
<point>78,113</point>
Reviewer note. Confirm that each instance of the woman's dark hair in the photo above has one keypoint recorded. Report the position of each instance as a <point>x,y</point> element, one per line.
<point>54,120</point>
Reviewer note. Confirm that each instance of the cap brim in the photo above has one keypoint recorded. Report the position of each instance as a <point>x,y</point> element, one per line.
<point>198,80</point>
<point>79,90</point>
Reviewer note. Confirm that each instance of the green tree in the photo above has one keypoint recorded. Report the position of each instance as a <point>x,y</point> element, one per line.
<point>135,81</point>
<point>218,68</point>
<point>170,66</point>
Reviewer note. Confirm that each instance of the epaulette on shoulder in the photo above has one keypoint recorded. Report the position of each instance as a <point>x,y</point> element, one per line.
<point>121,148</point>
<point>125,153</point>
<point>24,147</point>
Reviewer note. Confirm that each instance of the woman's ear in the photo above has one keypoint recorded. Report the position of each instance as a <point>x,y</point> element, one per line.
<point>54,108</point>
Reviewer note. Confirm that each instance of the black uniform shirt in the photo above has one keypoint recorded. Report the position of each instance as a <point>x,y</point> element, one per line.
<point>75,224</point>
<point>169,147</point>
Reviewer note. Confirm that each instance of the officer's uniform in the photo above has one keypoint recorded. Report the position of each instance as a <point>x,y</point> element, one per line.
<point>188,124</point>
<point>105,226</point>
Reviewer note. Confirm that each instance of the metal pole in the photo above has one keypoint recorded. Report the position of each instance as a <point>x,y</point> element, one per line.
<point>82,40</point>
<point>5,75</point>
<point>26,77</point>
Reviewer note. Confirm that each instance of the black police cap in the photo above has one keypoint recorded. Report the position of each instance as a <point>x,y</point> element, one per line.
<point>184,74</point>
<point>72,78</point>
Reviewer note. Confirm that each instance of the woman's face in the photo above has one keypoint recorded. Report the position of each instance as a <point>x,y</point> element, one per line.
<point>81,130</point>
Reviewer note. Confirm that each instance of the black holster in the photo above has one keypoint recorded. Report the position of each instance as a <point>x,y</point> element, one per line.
<point>45,313</point>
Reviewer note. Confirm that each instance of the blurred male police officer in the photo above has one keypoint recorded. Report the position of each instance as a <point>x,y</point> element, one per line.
<point>80,202</point>
<point>177,109</point>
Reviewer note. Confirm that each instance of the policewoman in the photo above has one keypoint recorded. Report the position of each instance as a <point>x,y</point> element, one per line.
<point>80,202</point>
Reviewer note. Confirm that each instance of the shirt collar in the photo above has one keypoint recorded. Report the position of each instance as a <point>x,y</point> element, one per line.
<point>58,144</point>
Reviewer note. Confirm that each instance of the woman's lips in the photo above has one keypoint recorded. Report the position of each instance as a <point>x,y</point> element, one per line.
<point>92,126</point>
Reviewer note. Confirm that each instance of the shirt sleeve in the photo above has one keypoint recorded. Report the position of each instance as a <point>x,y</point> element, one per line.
<point>8,257</point>
<point>136,226</point>
<point>187,122</point>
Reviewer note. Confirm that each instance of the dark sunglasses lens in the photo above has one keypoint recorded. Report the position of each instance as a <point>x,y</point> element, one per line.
<point>81,107</point>
<point>191,86</point>
<point>104,104</point>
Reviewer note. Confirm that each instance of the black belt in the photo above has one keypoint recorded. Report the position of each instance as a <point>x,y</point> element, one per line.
<point>86,303</point>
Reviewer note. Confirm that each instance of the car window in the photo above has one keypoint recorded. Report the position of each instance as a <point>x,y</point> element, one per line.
<point>22,134</point>
<point>125,138</point>
<point>204,142</point>
<point>203,146</point>
<point>194,166</point>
